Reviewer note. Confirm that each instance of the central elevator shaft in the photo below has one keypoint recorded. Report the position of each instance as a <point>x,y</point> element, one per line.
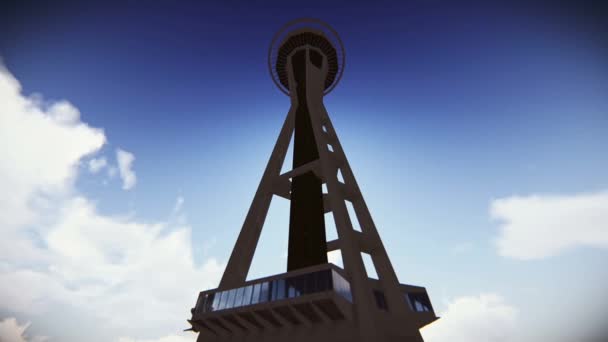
<point>307,243</point>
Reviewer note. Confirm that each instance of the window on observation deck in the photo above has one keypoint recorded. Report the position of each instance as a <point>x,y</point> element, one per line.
<point>256,293</point>
<point>264,291</point>
<point>419,302</point>
<point>247,295</point>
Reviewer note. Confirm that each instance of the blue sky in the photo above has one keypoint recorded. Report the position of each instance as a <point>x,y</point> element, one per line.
<point>444,110</point>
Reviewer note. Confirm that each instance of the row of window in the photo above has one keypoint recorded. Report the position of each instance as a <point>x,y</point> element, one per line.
<point>274,290</point>
<point>420,307</point>
<point>292,287</point>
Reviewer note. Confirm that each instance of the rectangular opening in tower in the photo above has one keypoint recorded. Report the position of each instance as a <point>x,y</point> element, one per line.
<point>340,177</point>
<point>270,256</point>
<point>352,215</point>
<point>330,227</point>
<point>335,257</point>
<point>288,161</point>
<point>370,269</point>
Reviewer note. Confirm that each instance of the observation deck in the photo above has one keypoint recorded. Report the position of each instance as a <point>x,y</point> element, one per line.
<point>311,296</point>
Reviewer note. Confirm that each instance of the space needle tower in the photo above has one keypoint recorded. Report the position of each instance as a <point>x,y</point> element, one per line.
<point>314,300</point>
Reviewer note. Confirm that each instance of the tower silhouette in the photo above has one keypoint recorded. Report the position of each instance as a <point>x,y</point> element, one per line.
<point>314,300</point>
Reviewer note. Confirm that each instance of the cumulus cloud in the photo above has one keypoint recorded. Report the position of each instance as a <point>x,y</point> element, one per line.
<point>125,168</point>
<point>144,266</point>
<point>40,145</point>
<point>12,331</point>
<point>96,164</point>
<point>539,226</point>
<point>483,318</point>
<point>58,250</point>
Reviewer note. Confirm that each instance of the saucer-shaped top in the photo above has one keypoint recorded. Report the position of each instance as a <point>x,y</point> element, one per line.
<point>303,32</point>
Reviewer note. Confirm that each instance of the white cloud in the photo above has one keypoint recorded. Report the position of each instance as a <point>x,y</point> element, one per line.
<point>483,318</point>
<point>11,331</point>
<point>27,290</point>
<point>96,164</point>
<point>136,279</point>
<point>148,268</point>
<point>125,163</point>
<point>40,146</point>
<point>540,226</point>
